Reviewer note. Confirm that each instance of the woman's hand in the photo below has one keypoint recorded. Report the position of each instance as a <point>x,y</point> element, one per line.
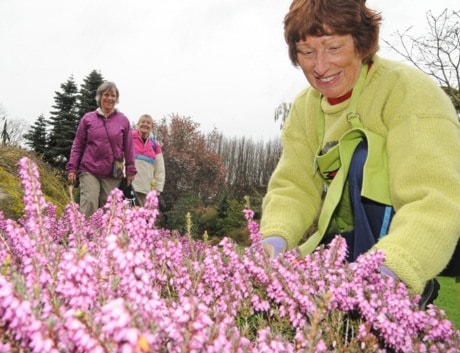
<point>129,179</point>
<point>72,178</point>
<point>274,245</point>
<point>269,249</point>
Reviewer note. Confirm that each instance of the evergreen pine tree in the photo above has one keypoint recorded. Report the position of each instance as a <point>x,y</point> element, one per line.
<point>87,97</point>
<point>36,137</point>
<point>5,137</point>
<point>63,124</point>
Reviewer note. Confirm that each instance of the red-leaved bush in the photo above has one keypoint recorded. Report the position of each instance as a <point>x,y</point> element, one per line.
<point>116,283</point>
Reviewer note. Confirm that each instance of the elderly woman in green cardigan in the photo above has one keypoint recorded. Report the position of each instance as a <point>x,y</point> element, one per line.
<point>371,150</point>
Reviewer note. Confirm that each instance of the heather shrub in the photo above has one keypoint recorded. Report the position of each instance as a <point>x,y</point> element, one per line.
<point>117,283</point>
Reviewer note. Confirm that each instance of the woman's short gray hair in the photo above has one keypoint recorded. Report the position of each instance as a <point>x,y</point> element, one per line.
<point>104,87</point>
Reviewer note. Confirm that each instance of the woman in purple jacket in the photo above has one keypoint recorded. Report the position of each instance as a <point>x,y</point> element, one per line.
<point>102,137</point>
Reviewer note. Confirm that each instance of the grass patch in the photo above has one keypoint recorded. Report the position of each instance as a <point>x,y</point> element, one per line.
<point>449,298</point>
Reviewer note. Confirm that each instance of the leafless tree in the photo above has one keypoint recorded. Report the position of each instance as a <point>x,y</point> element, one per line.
<point>12,131</point>
<point>191,166</point>
<point>282,112</point>
<point>249,164</point>
<point>16,130</point>
<point>437,53</point>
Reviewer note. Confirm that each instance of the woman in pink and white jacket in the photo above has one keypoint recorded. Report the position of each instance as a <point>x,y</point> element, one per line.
<point>148,160</point>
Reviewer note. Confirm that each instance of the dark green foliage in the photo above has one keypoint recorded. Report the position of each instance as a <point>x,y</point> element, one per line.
<point>87,97</point>
<point>208,219</point>
<point>176,218</point>
<point>229,216</point>
<point>224,207</point>
<point>63,124</point>
<point>36,137</point>
<point>225,219</point>
<point>5,137</point>
<point>53,138</point>
<point>240,236</point>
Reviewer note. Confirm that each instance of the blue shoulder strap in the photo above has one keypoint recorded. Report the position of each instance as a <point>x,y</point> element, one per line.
<point>154,144</point>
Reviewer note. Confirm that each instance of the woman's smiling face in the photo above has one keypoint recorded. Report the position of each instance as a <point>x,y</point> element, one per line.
<point>145,126</point>
<point>108,101</point>
<point>330,63</point>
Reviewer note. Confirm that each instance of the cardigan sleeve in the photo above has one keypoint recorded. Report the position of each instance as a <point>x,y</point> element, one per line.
<point>424,170</point>
<point>293,197</point>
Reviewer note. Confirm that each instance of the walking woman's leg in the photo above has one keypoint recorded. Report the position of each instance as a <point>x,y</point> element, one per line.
<point>107,185</point>
<point>89,194</point>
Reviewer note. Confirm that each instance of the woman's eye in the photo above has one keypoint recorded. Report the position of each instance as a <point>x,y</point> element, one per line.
<point>306,52</point>
<point>334,48</point>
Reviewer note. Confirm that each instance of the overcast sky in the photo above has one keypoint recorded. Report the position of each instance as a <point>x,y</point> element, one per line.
<point>223,63</point>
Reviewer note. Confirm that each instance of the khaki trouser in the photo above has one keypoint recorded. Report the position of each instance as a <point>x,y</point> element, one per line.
<point>94,192</point>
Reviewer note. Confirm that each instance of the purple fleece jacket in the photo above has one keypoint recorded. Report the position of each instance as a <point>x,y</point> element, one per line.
<point>92,149</point>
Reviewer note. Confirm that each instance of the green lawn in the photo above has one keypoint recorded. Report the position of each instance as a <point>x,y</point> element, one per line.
<point>449,298</point>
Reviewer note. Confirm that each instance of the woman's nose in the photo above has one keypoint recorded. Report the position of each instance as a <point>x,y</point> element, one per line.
<point>321,64</point>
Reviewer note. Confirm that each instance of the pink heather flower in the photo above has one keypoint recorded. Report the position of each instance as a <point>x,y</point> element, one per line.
<point>117,283</point>
<point>77,281</point>
<point>17,317</point>
<point>192,323</point>
<point>252,226</point>
<point>151,204</point>
<point>34,201</point>
<point>116,326</point>
<point>248,214</point>
<point>79,334</point>
<point>5,347</point>
<point>260,305</point>
<point>267,343</point>
<point>439,329</point>
<point>320,347</point>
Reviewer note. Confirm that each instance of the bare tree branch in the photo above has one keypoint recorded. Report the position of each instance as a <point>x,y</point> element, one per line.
<point>437,53</point>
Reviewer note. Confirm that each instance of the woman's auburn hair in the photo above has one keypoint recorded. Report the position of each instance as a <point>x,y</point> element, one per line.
<point>328,17</point>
